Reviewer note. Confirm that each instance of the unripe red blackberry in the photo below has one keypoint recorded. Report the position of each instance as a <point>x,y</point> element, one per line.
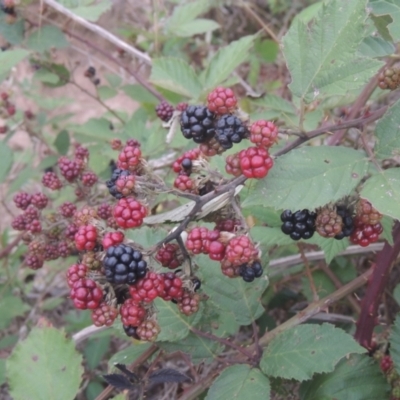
<point>86,294</point>
<point>192,155</point>
<point>181,106</point>
<point>227,225</point>
<point>229,269</point>
<point>104,315</point>
<point>240,250</point>
<point>199,239</point>
<point>67,209</point>
<point>170,256</point>
<point>85,215</point>
<point>185,184</point>
<point>125,184</point>
<point>70,169</point>
<point>129,158</point>
<point>22,200</point>
<point>36,247</point>
<point>39,200</point>
<point>70,231</point>
<point>81,152</point>
<point>132,143</point>
<point>34,227</point>
<point>211,148</point>
<point>51,181</point>
<point>367,214</point>
<point>386,363</point>
<point>51,252</point>
<point>33,261</point>
<point>104,211</point>
<point>164,111</point>
<point>221,101</point>
<point>216,250</point>
<point>229,129</point>
<point>117,174</point>
<point>11,109</point>
<point>148,330</point>
<point>3,129</point>
<point>255,162</point>
<point>328,223</point>
<point>189,303</point>
<point>197,123</point>
<point>232,165</point>
<point>65,248</point>
<point>76,272</point>
<point>112,239</point>
<point>31,214</point>
<point>89,179</point>
<point>132,313</point>
<point>129,213</point>
<point>85,238</point>
<point>263,133</point>
<point>148,288</point>
<point>364,234</point>
<point>173,287</point>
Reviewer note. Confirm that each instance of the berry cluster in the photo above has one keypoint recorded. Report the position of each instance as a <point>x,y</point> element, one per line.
<point>298,225</point>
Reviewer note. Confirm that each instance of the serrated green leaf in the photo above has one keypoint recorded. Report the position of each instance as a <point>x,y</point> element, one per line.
<point>93,12</point>
<point>129,355</point>
<point>11,307</point>
<point>387,132</point>
<point>195,27</point>
<point>266,49</point>
<point>241,299</point>
<point>240,382</point>
<point>355,378</point>
<point>94,129</point>
<point>176,75</point>
<point>383,191</point>
<point>174,325</point>
<point>309,177</point>
<point>10,58</point>
<point>321,56</point>
<point>146,236</point>
<point>139,93</point>
<point>106,92</point>
<point>373,47</point>
<point>395,343</point>
<point>269,236</point>
<point>95,349</point>
<point>186,13</point>
<point>310,12</point>
<point>225,61</point>
<point>387,224</point>
<point>391,8</point>
<point>12,33</point>
<point>45,38</point>
<point>330,246</point>
<point>300,352</point>
<point>6,160</point>
<point>44,366</point>
<point>199,348</point>
<point>62,142</point>
<point>283,108</point>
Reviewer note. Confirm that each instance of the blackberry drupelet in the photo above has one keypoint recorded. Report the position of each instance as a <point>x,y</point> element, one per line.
<point>298,225</point>
<point>197,123</point>
<point>249,272</point>
<point>123,264</point>
<point>348,223</point>
<point>111,184</point>
<point>230,129</point>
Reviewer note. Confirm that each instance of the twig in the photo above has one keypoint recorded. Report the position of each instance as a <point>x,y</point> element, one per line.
<point>196,390</point>
<point>317,307</point>
<point>99,31</point>
<point>369,306</point>
<point>87,332</point>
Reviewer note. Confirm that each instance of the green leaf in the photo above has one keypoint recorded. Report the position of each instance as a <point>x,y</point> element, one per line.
<point>44,366</point>
<point>387,224</point>
<point>300,352</point>
<point>95,349</point>
<point>240,382</point>
<point>94,129</point>
<point>355,378</point>
<point>268,236</point>
<point>129,355</point>
<point>283,109</point>
<point>396,294</point>
<point>240,299</point>
<point>309,177</point>
<point>45,38</point>
<point>139,93</point>
<point>195,27</point>
<point>62,142</point>
<point>199,348</point>
<point>395,343</point>
<point>321,56</point>
<point>174,325</point>
<point>225,61</point>
<point>176,75</point>
<point>106,92</point>
<point>383,191</point>
<point>10,58</point>
<point>12,33</point>
<point>391,8</point>
<point>330,246</point>
<point>186,13</point>
<point>93,12</point>
<point>387,132</point>
<point>11,307</point>
<point>6,160</point>
<point>267,50</point>
<point>373,47</point>
<point>46,77</point>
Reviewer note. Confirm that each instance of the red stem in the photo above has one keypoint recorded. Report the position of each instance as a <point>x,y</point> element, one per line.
<point>377,283</point>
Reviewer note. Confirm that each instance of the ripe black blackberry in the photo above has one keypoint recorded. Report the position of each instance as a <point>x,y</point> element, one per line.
<point>131,331</point>
<point>228,130</point>
<point>123,264</point>
<point>197,123</point>
<point>298,225</point>
<point>249,272</point>
<point>164,111</point>
<point>348,223</point>
<point>111,184</point>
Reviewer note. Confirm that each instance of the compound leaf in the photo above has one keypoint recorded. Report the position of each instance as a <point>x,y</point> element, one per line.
<point>355,378</point>
<point>44,366</point>
<point>322,56</point>
<point>240,382</point>
<point>309,177</point>
<point>301,352</point>
<point>383,192</point>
